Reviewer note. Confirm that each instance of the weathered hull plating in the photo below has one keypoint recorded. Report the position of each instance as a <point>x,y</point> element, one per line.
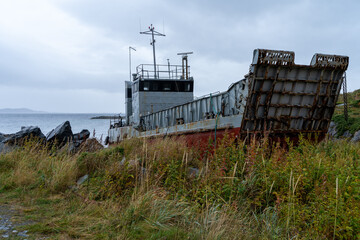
<point>277,98</point>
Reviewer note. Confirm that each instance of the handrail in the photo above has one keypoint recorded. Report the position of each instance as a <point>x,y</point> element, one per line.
<point>146,71</point>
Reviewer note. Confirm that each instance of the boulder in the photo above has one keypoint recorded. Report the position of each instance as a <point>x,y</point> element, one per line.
<point>61,134</point>
<point>347,134</point>
<point>82,179</point>
<point>5,148</point>
<point>356,137</point>
<point>332,130</point>
<point>74,145</point>
<point>25,132</point>
<point>68,148</point>
<point>91,145</point>
<point>2,137</point>
<point>81,137</point>
<point>193,172</point>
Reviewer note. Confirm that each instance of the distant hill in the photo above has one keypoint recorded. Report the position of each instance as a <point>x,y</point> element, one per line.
<point>18,110</point>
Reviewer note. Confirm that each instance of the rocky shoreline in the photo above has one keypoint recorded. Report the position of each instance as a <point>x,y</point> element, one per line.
<point>60,137</point>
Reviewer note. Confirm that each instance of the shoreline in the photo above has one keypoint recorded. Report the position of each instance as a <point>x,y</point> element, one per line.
<point>107,117</point>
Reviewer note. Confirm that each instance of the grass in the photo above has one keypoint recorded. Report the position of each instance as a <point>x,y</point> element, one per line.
<point>353,123</point>
<point>143,189</point>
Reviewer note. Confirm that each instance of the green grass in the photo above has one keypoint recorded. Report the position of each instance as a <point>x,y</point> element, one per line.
<point>256,191</point>
<point>353,123</point>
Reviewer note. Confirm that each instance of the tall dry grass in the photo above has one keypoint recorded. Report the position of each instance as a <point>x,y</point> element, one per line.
<point>33,166</point>
<point>152,189</point>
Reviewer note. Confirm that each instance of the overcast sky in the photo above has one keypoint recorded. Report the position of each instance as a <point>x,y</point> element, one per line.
<point>72,55</point>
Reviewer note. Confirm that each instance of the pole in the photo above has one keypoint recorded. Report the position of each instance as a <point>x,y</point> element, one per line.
<point>153,44</point>
<point>130,48</point>
<point>153,34</point>
<point>168,67</point>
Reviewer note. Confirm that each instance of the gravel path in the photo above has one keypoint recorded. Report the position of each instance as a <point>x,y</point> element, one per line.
<point>10,221</point>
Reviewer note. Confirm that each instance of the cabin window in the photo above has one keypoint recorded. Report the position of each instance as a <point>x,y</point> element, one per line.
<point>146,86</point>
<point>129,94</point>
<point>166,86</point>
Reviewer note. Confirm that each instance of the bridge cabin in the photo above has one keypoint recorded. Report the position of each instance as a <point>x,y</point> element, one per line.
<point>154,90</point>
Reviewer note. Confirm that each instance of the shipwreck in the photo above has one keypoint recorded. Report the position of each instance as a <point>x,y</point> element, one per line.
<point>276,97</point>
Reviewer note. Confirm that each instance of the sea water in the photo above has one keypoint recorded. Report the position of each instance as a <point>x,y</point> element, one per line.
<point>12,122</point>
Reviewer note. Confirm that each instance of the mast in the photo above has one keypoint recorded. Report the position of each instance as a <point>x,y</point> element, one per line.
<point>130,48</point>
<point>153,33</point>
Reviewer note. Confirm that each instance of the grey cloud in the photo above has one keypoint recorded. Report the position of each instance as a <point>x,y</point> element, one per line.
<point>221,34</point>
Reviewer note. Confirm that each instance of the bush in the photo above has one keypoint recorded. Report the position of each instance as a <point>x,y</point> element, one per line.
<point>352,125</point>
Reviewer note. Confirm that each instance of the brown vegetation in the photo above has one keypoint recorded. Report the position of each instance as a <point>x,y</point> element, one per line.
<point>165,190</point>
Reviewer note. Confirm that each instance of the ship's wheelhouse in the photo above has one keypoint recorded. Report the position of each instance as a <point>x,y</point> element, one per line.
<point>151,91</point>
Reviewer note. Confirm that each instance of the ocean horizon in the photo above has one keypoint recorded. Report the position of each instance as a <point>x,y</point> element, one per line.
<point>12,122</point>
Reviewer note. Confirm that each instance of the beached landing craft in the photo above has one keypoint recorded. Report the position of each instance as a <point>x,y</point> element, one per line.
<point>277,97</point>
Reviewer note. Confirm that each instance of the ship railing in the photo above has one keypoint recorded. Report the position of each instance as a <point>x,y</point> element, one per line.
<point>207,95</point>
<point>117,121</point>
<point>207,107</point>
<point>147,71</point>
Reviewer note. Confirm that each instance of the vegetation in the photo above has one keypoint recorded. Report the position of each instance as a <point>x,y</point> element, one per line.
<point>351,96</point>
<point>353,123</point>
<point>162,189</point>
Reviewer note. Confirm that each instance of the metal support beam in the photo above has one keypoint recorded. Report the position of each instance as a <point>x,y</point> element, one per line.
<point>346,114</point>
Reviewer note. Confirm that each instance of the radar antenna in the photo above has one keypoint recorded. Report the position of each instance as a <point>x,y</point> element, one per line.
<point>185,66</point>
<point>153,33</point>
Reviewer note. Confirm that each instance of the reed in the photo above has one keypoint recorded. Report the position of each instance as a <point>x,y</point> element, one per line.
<point>162,188</point>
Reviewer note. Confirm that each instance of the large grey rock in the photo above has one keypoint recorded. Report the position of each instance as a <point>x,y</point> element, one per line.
<point>81,137</point>
<point>5,148</point>
<point>82,179</point>
<point>25,132</point>
<point>347,134</point>
<point>90,145</point>
<point>193,172</point>
<point>74,145</point>
<point>68,148</point>
<point>356,137</point>
<point>332,130</point>
<point>61,134</point>
<point>2,147</point>
<point>2,137</point>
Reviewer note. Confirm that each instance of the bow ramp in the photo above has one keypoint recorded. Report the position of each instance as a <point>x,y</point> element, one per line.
<point>286,99</point>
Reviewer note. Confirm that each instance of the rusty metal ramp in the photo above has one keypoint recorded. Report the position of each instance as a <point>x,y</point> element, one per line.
<point>286,99</point>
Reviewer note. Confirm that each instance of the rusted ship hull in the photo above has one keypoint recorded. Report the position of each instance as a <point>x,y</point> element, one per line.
<point>277,98</point>
<point>202,137</point>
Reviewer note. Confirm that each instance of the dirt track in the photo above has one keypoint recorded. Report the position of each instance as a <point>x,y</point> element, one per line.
<point>12,224</point>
